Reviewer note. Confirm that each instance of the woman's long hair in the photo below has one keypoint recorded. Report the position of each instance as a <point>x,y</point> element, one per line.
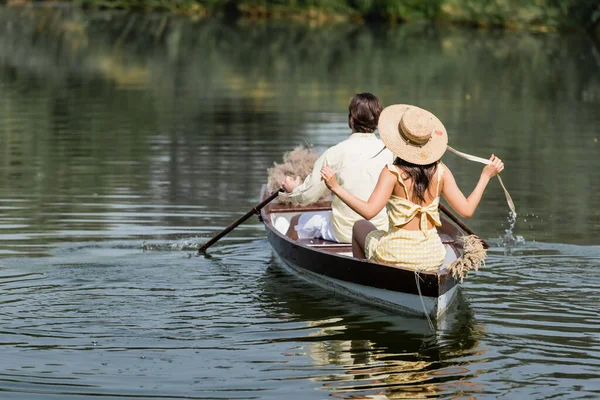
<point>421,176</point>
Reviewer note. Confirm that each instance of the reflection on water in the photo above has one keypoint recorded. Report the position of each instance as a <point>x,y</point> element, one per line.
<point>375,353</point>
<point>113,105</point>
<point>126,140</point>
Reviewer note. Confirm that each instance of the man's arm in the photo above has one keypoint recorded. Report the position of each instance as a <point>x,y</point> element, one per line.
<point>313,188</point>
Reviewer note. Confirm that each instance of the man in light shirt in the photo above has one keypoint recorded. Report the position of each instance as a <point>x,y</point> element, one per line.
<point>357,162</point>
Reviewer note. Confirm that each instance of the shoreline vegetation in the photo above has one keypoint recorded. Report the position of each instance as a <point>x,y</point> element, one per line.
<point>530,15</point>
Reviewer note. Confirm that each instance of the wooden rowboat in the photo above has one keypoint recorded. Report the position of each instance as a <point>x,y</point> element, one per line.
<point>331,266</point>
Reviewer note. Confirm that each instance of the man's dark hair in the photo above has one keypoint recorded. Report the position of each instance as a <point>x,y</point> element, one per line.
<point>363,112</point>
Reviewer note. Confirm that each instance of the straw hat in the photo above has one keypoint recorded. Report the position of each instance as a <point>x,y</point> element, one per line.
<point>412,133</point>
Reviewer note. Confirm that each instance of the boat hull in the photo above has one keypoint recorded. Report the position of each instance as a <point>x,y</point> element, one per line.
<point>404,303</point>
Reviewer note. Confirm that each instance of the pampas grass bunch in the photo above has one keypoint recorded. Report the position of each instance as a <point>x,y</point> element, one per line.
<point>474,255</point>
<point>296,163</point>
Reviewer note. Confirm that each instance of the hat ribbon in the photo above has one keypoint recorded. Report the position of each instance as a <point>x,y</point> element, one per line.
<point>470,157</point>
<point>410,141</point>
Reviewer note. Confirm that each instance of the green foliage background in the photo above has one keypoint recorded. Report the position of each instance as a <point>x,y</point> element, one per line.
<point>517,14</point>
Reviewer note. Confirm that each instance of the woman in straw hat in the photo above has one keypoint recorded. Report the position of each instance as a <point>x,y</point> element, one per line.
<point>411,189</point>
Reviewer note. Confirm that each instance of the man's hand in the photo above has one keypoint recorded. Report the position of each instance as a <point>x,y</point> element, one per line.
<point>289,183</point>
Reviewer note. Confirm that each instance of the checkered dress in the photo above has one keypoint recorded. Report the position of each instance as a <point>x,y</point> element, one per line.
<point>417,249</point>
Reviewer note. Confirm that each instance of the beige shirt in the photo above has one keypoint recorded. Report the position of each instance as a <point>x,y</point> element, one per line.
<point>357,165</point>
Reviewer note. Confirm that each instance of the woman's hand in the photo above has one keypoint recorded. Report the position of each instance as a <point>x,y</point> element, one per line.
<point>494,168</point>
<point>329,178</point>
<point>289,183</point>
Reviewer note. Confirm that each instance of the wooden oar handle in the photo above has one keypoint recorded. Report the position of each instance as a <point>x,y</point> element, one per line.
<point>462,225</point>
<point>255,210</point>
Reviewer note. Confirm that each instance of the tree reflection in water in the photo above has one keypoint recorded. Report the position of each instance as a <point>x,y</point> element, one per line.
<point>114,91</point>
<point>377,354</point>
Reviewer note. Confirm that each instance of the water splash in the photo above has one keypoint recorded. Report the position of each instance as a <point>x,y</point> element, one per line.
<point>509,240</point>
<point>182,245</point>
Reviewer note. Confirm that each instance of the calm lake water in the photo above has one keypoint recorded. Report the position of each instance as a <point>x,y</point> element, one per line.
<point>128,140</point>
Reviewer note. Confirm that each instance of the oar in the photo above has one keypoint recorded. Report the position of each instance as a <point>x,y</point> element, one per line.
<point>462,225</point>
<point>255,210</point>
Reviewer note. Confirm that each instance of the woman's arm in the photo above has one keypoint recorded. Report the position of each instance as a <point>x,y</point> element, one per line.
<point>465,207</point>
<point>377,200</point>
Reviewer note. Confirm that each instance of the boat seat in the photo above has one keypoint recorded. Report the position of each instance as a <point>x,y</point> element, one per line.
<point>321,243</point>
<point>327,243</point>
<point>445,238</point>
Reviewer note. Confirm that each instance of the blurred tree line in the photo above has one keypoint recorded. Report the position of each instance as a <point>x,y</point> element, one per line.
<point>512,14</point>
<point>84,93</point>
